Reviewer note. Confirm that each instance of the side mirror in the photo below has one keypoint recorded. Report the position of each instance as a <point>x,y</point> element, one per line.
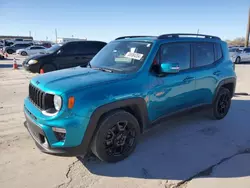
<point>170,67</point>
<point>59,52</point>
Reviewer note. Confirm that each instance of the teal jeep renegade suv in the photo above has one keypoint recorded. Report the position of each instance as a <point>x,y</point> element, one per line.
<point>128,86</point>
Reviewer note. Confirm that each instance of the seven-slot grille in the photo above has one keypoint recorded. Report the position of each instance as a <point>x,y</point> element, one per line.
<point>37,97</point>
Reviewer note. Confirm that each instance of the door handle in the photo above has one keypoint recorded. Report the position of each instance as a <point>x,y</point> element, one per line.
<point>188,79</point>
<point>217,73</point>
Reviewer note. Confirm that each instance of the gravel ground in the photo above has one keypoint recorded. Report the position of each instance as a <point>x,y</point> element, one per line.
<point>191,151</point>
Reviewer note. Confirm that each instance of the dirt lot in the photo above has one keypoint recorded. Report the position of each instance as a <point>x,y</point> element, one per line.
<point>192,151</point>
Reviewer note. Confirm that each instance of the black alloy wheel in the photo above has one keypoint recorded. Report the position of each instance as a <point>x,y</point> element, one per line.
<point>221,104</point>
<point>116,137</point>
<point>120,139</point>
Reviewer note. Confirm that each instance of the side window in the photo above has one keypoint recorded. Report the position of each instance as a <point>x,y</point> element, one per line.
<point>83,48</point>
<point>247,50</point>
<point>98,46</point>
<point>176,53</point>
<point>90,47</point>
<point>204,54</point>
<point>218,51</point>
<point>37,48</point>
<point>70,48</point>
<point>25,45</point>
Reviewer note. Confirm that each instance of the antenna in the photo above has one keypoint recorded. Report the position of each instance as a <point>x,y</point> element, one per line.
<point>56,34</point>
<point>198,32</point>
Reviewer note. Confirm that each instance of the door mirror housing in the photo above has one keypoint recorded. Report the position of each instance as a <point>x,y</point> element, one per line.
<point>59,52</point>
<point>170,67</point>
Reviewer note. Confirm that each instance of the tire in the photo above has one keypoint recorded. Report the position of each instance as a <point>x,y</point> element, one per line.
<point>116,137</point>
<point>221,104</point>
<point>237,60</point>
<point>24,53</point>
<point>10,51</point>
<point>47,68</point>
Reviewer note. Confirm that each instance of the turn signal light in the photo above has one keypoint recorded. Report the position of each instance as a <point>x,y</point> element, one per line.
<point>71,102</point>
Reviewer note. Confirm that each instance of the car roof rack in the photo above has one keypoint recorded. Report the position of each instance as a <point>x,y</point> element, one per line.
<point>178,35</point>
<point>126,37</point>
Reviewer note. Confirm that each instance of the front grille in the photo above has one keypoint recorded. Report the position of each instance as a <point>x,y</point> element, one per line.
<point>37,97</point>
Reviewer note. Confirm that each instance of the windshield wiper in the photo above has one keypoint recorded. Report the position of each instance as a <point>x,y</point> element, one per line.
<point>103,69</point>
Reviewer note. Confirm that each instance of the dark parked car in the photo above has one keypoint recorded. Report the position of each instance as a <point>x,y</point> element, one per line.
<point>12,49</point>
<point>61,56</point>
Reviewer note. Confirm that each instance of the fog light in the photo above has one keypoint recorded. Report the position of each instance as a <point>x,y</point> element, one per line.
<point>60,133</point>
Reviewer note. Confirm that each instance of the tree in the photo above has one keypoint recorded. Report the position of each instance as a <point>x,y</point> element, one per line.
<point>239,41</point>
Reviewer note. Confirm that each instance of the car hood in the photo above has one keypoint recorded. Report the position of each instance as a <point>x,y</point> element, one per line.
<point>68,80</point>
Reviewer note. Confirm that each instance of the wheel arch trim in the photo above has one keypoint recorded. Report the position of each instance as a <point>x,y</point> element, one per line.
<point>224,82</point>
<point>121,104</point>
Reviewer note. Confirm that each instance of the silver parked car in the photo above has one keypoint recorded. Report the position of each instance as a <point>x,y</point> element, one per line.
<point>31,50</point>
<point>239,55</point>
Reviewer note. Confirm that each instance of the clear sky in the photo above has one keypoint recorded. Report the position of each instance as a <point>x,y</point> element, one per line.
<point>107,19</point>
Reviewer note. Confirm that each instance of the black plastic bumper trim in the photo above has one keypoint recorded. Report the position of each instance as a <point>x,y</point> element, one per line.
<point>67,151</point>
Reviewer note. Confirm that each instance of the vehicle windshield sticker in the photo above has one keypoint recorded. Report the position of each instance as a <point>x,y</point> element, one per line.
<point>134,55</point>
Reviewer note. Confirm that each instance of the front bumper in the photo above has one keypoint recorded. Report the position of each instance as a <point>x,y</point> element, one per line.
<point>26,66</point>
<point>31,68</point>
<point>43,141</point>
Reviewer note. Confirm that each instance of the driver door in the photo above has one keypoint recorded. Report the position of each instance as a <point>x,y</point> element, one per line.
<point>247,52</point>
<point>173,92</point>
<point>245,55</point>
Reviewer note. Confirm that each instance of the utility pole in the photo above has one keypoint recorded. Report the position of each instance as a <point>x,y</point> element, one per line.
<point>30,33</point>
<point>56,34</point>
<point>248,30</point>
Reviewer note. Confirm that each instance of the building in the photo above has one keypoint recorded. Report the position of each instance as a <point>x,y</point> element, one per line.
<point>6,37</point>
<point>62,40</point>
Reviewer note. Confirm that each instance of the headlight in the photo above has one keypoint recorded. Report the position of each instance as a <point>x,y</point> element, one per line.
<point>32,61</point>
<point>57,102</point>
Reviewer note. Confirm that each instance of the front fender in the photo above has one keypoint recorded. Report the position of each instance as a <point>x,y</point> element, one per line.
<point>138,105</point>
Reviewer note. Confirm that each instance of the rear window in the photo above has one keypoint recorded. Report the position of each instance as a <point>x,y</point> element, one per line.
<point>204,54</point>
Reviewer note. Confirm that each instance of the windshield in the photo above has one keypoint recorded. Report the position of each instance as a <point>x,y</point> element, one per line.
<point>53,49</point>
<point>122,56</point>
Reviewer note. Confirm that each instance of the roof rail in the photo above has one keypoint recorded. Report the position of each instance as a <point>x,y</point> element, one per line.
<point>125,37</point>
<point>177,35</point>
